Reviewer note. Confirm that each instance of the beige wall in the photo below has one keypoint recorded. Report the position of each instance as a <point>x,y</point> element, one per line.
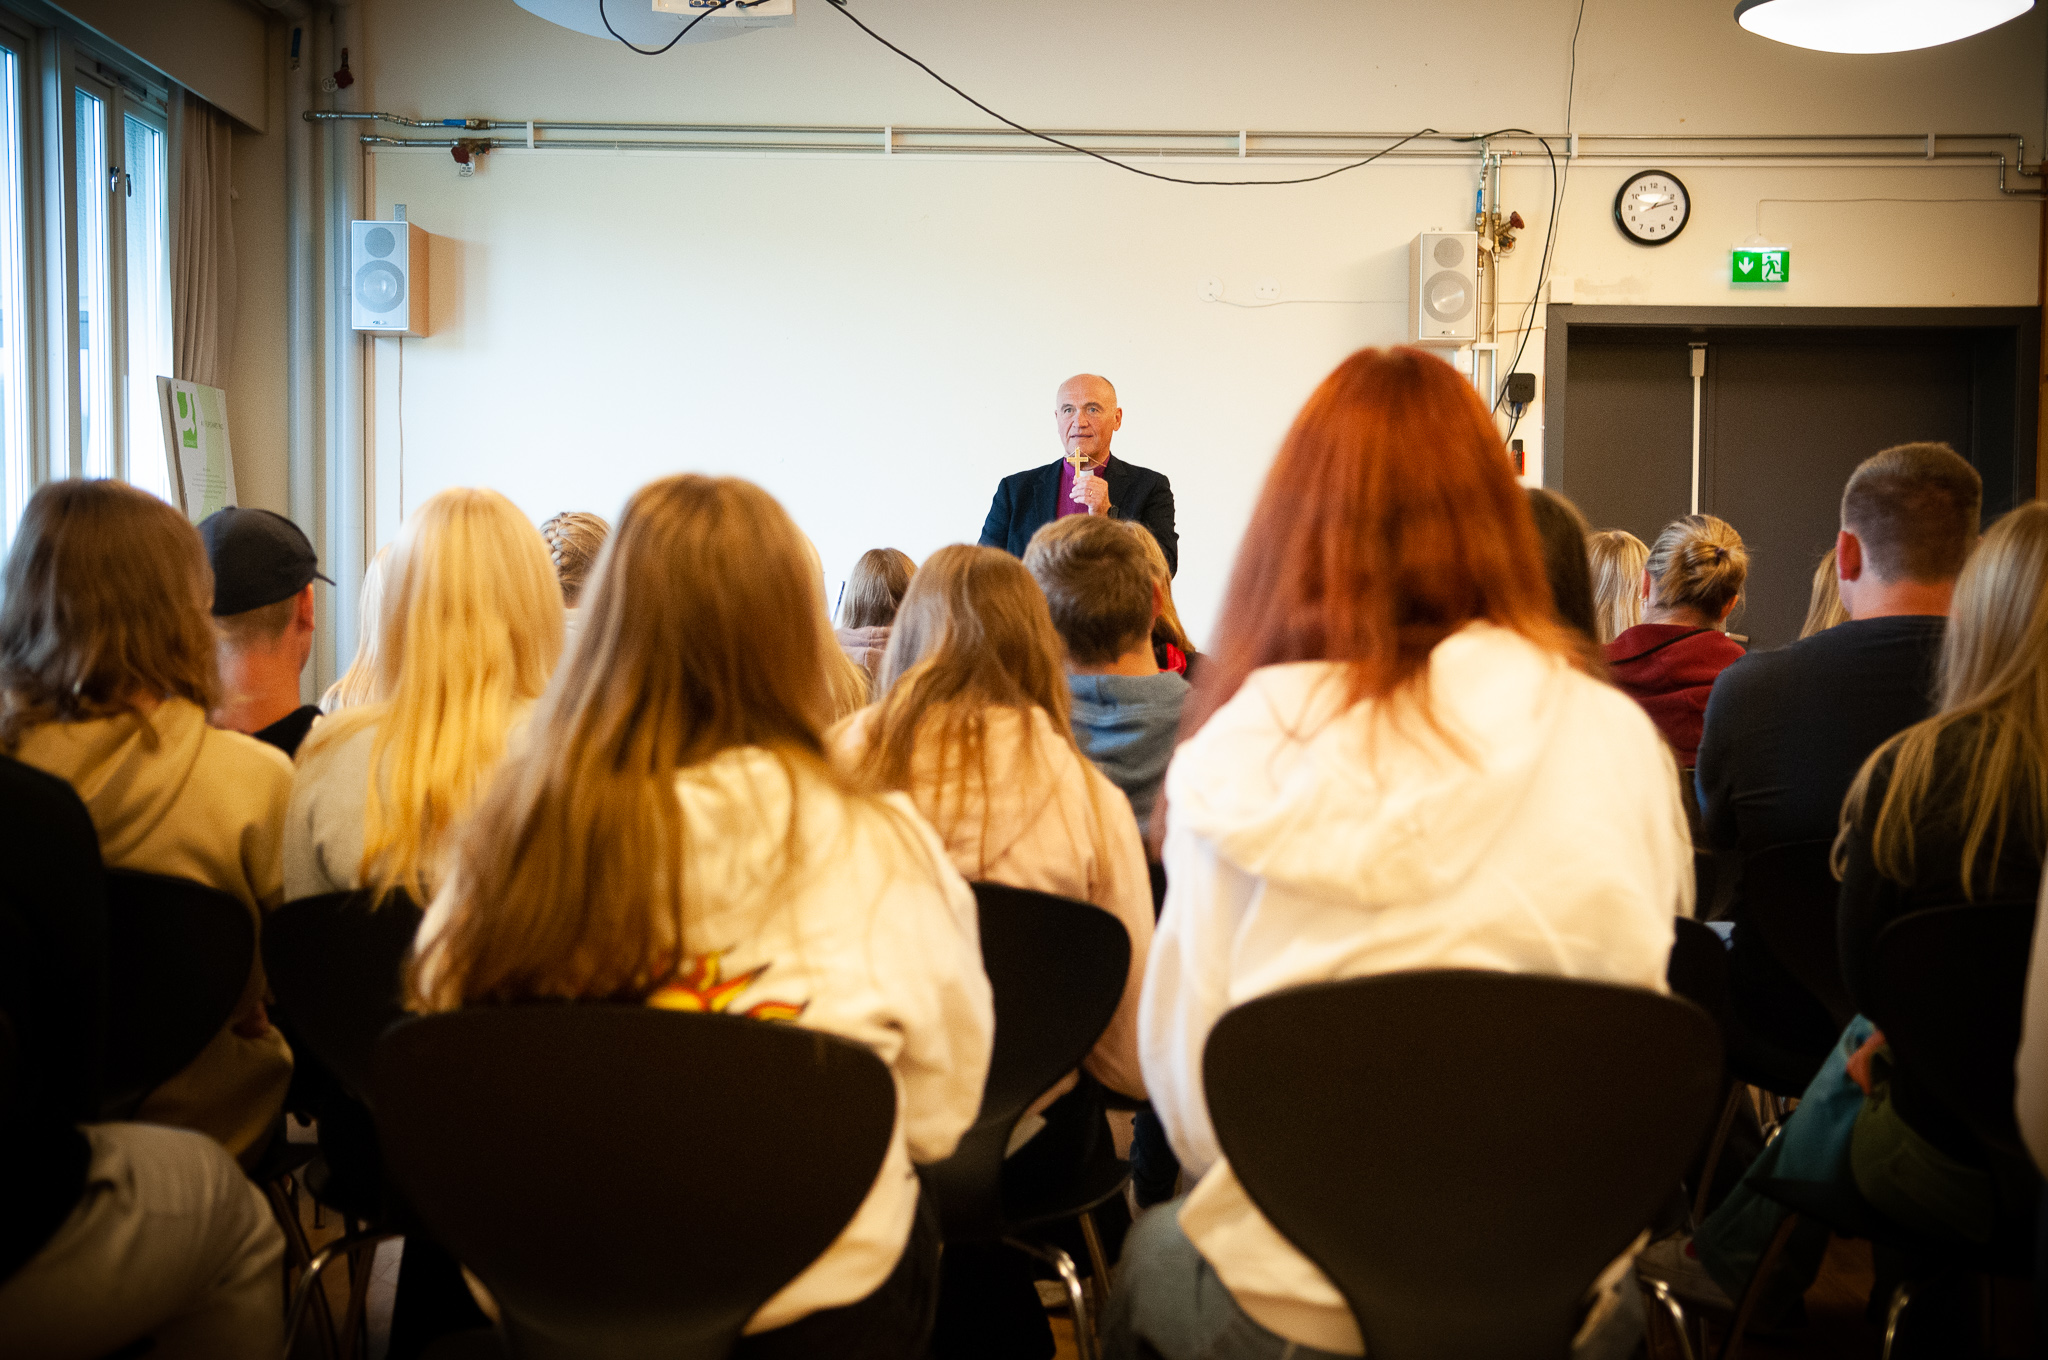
<point>256,371</point>
<point>214,47</point>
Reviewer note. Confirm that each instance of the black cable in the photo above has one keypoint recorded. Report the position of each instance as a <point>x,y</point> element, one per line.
<point>1515,408</point>
<point>657,51</point>
<point>1571,75</point>
<point>840,5</point>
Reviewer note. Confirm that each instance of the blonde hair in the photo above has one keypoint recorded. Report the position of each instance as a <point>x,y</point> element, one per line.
<point>874,588</point>
<point>358,684</point>
<point>1616,557</point>
<point>574,539</point>
<point>705,632</point>
<point>1167,627</point>
<point>1697,563</point>
<point>108,598</point>
<point>846,681</point>
<point>470,628</point>
<point>973,635</point>
<point>1824,607</point>
<point>1994,674</point>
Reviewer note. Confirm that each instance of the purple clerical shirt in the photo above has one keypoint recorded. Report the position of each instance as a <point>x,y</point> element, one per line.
<point>1067,504</point>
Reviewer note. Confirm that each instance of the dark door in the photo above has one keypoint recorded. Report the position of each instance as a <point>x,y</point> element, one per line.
<point>1786,415</point>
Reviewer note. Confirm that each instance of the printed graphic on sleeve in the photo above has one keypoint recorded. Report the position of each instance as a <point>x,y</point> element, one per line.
<point>700,985</point>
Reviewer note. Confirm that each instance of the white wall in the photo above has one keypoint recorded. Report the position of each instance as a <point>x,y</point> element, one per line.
<point>877,341</point>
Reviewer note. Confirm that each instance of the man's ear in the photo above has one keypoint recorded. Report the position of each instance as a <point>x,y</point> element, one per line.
<point>302,617</point>
<point>1848,557</point>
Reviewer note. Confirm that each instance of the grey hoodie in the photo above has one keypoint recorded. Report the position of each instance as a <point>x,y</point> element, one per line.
<point>1126,725</point>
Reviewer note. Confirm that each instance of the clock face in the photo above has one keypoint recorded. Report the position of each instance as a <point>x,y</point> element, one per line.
<point>1652,207</point>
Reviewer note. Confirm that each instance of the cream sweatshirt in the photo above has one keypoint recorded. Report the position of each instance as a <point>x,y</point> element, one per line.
<point>1055,824</point>
<point>873,937</point>
<point>170,795</point>
<point>1307,843</point>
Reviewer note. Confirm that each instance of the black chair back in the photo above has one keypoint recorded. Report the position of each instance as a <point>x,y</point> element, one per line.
<point>1951,989</point>
<point>178,960</point>
<point>1411,1132</point>
<point>1698,970</point>
<point>629,1181</point>
<point>335,964</point>
<point>1789,895</point>
<point>1057,970</point>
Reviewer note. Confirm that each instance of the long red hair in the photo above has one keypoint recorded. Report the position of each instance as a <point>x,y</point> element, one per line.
<point>1389,520</point>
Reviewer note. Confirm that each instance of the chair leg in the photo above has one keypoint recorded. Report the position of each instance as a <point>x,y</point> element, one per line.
<point>298,1258</point>
<point>1901,1296</point>
<point>1084,1328</point>
<point>1662,1293</point>
<point>1098,1261</point>
<point>1745,1307</point>
<point>308,1291</point>
<point>1714,1150</point>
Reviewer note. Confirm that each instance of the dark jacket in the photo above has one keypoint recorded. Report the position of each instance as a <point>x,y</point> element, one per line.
<point>1027,501</point>
<point>1669,669</point>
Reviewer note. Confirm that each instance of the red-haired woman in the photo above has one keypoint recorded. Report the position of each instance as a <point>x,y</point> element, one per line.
<point>1395,760</point>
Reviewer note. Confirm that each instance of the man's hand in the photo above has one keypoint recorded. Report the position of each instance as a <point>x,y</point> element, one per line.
<point>1093,492</point>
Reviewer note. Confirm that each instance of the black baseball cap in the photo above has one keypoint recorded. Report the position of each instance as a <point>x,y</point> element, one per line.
<point>258,558</point>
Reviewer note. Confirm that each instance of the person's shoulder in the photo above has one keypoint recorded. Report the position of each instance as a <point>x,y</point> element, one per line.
<point>246,764</point>
<point>1016,479</point>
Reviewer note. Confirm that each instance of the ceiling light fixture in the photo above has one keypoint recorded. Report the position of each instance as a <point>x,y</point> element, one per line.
<point>1862,26</point>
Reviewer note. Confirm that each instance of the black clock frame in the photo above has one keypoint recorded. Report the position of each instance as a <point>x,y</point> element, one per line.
<point>1622,192</point>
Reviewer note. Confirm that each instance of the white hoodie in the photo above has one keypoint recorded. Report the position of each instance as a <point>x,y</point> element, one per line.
<point>1556,845</point>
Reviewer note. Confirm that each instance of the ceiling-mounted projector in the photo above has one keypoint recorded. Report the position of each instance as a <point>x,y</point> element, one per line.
<point>640,21</point>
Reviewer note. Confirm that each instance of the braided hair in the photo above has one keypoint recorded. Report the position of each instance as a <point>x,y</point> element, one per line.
<point>574,538</point>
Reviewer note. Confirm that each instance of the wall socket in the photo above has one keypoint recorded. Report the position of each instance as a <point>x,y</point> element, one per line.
<point>1268,291</point>
<point>1210,290</point>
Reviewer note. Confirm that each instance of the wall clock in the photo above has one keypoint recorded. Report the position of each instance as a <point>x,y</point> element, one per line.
<point>1652,207</point>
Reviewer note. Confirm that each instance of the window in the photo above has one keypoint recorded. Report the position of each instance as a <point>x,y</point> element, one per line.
<point>96,394</point>
<point>148,283</point>
<point>17,460</point>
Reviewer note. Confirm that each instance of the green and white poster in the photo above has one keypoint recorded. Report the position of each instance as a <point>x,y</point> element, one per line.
<point>196,436</point>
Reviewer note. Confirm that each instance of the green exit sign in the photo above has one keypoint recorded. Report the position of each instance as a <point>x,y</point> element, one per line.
<point>1761,264</point>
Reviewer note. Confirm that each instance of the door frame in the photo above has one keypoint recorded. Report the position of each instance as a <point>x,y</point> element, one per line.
<point>2022,323</point>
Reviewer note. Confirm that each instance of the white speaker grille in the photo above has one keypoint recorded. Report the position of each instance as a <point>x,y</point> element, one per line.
<point>1447,297</point>
<point>1449,252</point>
<point>379,286</point>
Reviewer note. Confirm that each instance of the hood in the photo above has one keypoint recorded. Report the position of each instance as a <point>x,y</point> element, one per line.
<point>1661,657</point>
<point>130,770</point>
<point>1128,722</point>
<point>1355,802</point>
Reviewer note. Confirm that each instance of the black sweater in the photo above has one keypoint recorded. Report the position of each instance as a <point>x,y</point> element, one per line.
<point>53,990</point>
<point>1870,901</point>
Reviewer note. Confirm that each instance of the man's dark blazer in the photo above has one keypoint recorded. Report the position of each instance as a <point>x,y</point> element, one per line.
<point>1027,501</point>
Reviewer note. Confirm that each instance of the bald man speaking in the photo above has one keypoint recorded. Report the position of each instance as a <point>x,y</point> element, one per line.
<point>1087,481</point>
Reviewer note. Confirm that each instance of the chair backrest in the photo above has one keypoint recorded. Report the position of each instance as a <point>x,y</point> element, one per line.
<point>1789,895</point>
<point>627,1181</point>
<point>1698,970</point>
<point>178,960</point>
<point>1057,969</point>
<point>1951,989</point>
<point>335,964</point>
<point>1462,1152</point>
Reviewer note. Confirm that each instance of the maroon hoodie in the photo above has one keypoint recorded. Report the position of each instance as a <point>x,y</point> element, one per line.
<point>1669,669</point>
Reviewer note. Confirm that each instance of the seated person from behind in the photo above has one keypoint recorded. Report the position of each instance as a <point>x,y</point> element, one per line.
<point>1616,558</point>
<point>1667,663</point>
<point>574,539</point>
<point>1787,730</point>
<point>1562,531</point>
<point>1412,773</point>
<point>263,574</point>
<point>1949,811</point>
<point>110,1233</point>
<point>1086,480</point>
<point>874,589</point>
<point>108,654</point>
<point>470,630</point>
<point>674,829</point>
<point>1170,645</point>
<point>1104,602</point>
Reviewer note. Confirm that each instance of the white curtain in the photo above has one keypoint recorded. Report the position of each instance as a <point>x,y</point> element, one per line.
<point>203,242</point>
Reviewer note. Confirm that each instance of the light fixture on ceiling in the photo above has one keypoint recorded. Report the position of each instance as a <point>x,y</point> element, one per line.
<point>1874,25</point>
<point>637,21</point>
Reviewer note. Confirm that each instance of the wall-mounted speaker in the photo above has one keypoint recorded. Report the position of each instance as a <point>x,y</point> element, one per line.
<point>1443,288</point>
<point>387,293</point>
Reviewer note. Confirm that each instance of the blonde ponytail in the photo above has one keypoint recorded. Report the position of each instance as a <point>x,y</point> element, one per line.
<point>1697,563</point>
